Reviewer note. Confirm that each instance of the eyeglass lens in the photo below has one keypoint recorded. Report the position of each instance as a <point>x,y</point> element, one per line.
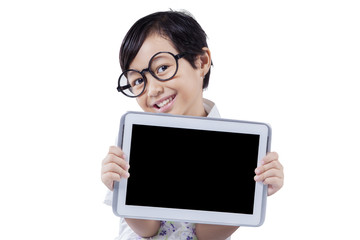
<point>162,66</point>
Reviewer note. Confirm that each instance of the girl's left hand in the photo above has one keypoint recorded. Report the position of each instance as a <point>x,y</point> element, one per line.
<point>270,172</point>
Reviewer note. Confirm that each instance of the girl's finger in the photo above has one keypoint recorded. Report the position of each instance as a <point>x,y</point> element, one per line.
<point>266,167</point>
<point>110,158</point>
<point>112,167</point>
<point>116,151</point>
<point>271,156</point>
<point>274,184</point>
<point>268,174</point>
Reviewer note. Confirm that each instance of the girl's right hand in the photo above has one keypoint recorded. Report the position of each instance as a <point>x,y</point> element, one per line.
<point>114,167</point>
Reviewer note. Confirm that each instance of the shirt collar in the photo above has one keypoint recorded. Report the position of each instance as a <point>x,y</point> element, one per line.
<point>210,108</point>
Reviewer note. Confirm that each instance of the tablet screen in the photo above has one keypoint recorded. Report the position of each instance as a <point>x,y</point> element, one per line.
<point>192,169</point>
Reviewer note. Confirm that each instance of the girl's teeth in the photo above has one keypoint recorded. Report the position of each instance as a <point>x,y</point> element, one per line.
<point>163,103</point>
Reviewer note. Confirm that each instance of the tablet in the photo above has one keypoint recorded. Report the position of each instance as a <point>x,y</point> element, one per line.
<point>192,169</point>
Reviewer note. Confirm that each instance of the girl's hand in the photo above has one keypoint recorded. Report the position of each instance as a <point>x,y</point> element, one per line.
<point>114,167</point>
<point>270,172</point>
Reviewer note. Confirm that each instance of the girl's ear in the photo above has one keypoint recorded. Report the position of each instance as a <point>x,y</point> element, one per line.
<point>204,61</point>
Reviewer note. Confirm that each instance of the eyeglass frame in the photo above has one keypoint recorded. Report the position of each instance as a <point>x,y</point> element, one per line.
<point>142,73</point>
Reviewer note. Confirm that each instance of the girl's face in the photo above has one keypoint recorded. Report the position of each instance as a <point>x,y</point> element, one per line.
<point>182,94</point>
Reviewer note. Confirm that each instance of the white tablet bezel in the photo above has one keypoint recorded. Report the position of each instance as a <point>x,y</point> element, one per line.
<point>185,215</point>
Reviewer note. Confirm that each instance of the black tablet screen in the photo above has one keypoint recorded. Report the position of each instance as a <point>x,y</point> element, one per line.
<point>192,169</point>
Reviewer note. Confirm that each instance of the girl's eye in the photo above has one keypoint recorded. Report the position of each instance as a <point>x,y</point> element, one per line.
<point>162,69</point>
<point>137,82</point>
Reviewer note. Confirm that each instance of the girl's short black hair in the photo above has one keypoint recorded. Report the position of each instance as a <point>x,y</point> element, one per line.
<point>180,28</point>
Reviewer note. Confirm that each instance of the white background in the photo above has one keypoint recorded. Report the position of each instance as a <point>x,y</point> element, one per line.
<point>293,64</point>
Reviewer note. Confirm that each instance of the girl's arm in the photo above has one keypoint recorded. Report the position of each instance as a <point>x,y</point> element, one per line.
<point>214,232</point>
<point>114,167</point>
<point>144,228</point>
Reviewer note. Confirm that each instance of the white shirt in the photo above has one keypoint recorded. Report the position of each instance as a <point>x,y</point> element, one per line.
<point>168,230</point>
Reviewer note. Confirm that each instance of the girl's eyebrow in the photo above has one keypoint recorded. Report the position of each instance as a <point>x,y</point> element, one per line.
<point>159,57</point>
<point>130,73</point>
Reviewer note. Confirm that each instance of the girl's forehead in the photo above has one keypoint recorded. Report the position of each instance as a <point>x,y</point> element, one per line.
<point>153,44</point>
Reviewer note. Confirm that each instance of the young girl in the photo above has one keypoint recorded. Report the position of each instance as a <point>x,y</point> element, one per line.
<point>166,65</point>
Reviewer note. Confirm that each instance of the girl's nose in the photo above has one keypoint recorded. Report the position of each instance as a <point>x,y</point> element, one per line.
<point>154,86</point>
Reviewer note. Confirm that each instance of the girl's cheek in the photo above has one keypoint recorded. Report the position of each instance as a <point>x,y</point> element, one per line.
<point>141,102</point>
<point>144,106</point>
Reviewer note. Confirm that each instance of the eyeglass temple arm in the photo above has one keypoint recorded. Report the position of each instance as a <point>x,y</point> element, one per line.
<point>180,55</point>
<point>123,88</point>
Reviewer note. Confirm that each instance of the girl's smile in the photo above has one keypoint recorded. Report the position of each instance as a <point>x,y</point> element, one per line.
<point>164,105</point>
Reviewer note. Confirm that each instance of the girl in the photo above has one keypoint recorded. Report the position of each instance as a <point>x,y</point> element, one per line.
<point>166,65</point>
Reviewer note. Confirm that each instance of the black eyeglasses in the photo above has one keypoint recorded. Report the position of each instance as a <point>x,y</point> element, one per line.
<point>163,66</point>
